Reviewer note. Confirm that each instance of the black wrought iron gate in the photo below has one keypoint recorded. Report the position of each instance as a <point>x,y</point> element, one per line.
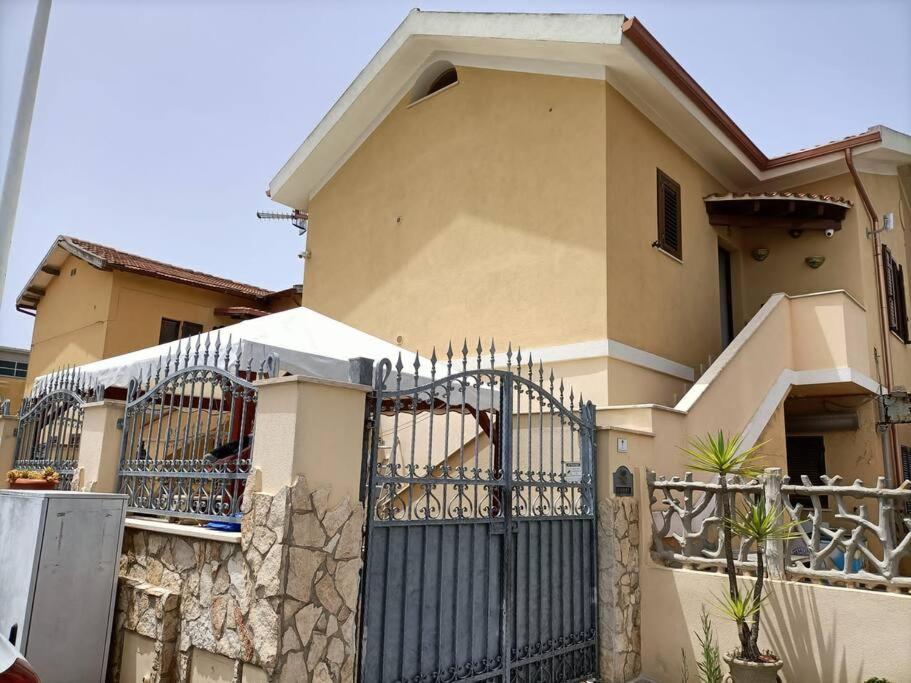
<point>481,542</point>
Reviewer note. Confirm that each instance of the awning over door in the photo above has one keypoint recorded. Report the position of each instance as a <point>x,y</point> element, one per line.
<point>786,210</point>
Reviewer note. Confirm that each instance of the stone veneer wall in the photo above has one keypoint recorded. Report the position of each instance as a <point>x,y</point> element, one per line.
<point>283,599</point>
<point>618,589</point>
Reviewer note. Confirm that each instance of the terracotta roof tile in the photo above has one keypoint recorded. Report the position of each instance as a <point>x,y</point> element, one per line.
<point>121,260</point>
<point>832,199</point>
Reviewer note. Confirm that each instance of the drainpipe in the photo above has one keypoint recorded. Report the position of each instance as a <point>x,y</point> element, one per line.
<point>887,434</point>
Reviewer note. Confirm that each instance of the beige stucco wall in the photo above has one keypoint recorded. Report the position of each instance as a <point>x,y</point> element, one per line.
<point>822,633</point>
<point>71,320</point>
<point>655,302</point>
<point>523,207</point>
<point>793,334</point>
<point>139,303</point>
<point>93,314</point>
<point>479,211</point>
<point>310,428</point>
<point>137,659</point>
<point>773,452</point>
<point>12,388</point>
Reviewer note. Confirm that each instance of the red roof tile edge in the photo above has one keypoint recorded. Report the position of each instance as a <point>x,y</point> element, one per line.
<point>121,260</point>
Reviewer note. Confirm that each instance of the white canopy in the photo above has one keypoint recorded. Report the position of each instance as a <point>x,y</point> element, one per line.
<point>306,343</point>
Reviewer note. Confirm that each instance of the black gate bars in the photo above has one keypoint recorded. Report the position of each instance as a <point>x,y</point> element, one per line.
<point>481,533</point>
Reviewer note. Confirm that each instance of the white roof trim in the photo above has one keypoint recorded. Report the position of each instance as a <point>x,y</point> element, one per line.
<point>605,348</point>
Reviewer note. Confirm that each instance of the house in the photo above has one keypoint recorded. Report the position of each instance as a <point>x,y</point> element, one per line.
<point>92,302</point>
<point>561,182</point>
<point>13,369</point>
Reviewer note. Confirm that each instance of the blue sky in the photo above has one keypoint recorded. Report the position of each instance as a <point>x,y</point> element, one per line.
<point>159,122</point>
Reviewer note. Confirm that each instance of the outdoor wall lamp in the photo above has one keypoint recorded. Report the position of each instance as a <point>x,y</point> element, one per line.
<point>760,254</point>
<point>815,261</point>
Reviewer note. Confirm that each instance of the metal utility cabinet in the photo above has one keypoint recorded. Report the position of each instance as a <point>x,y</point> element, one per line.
<point>59,557</point>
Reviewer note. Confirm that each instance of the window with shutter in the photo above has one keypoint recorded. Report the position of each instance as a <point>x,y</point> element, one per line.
<point>170,330</point>
<point>670,237</point>
<point>190,329</point>
<point>896,309</point>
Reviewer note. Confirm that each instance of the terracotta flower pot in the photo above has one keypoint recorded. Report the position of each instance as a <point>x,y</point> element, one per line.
<point>33,484</point>
<point>743,671</point>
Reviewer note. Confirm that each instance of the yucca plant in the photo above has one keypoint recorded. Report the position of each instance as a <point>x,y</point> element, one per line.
<point>725,457</point>
<point>759,524</point>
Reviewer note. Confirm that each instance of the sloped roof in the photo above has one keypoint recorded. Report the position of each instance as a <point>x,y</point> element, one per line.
<point>799,196</point>
<point>598,46</point>
<point>108,258</point>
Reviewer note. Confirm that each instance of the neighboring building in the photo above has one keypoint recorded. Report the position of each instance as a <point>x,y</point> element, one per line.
<point>560,181</point>
<point>13,370</point>
<point>92,302</point>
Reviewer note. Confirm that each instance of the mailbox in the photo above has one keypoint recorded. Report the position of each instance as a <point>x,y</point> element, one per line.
<point>623,481</point>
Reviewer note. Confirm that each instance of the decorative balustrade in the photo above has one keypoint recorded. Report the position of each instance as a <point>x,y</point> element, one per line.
<point>851,535</point>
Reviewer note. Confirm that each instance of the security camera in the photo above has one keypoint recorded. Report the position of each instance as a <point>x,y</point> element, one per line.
<point>830,233</point>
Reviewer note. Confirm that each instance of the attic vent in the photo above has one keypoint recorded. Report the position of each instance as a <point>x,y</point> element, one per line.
<point>670,238</point>
<point>437,76</point>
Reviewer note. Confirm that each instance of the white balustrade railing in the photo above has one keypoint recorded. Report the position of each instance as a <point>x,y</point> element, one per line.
<point>852,535</point>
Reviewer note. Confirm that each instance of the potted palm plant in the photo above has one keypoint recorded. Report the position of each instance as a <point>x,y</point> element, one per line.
<point>754,523</point>
<point>46,479</point>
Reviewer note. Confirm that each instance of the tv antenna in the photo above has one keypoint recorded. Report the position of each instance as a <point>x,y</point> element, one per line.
<point>298,218</point>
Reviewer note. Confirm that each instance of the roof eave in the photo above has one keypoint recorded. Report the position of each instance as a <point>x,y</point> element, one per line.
<point>637,65</point>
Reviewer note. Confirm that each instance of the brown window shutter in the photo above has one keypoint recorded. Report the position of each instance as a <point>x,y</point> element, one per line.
<point>170,331</point>
<point>889,277</point>
<point>670,237</point>
<point>900,306</point>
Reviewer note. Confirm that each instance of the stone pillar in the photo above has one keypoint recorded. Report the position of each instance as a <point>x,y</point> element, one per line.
<point>99,447</point>
<point>309,435</point>
<point>774,550</point>
<point>8,425</point>
<point>618,577</point>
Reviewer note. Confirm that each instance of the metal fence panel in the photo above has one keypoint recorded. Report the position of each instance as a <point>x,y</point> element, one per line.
<point>50,424</point>
<point>188,432</point>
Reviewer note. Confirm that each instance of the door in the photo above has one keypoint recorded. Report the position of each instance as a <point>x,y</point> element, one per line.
<point>726,293</point>
<point>806,457</point>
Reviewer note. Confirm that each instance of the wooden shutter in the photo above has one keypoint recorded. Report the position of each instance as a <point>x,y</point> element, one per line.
<point>900,307</point>
<point>170,330</point>
<point>190,329</point>
<point>670,237</point>
<point>896,308</point>
<point>889,277</point>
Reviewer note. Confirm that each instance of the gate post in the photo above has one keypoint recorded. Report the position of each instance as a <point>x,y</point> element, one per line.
<point>99,448</point>
<point>308,437</point>
<point>618,579</point>
<point>7,445</point>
